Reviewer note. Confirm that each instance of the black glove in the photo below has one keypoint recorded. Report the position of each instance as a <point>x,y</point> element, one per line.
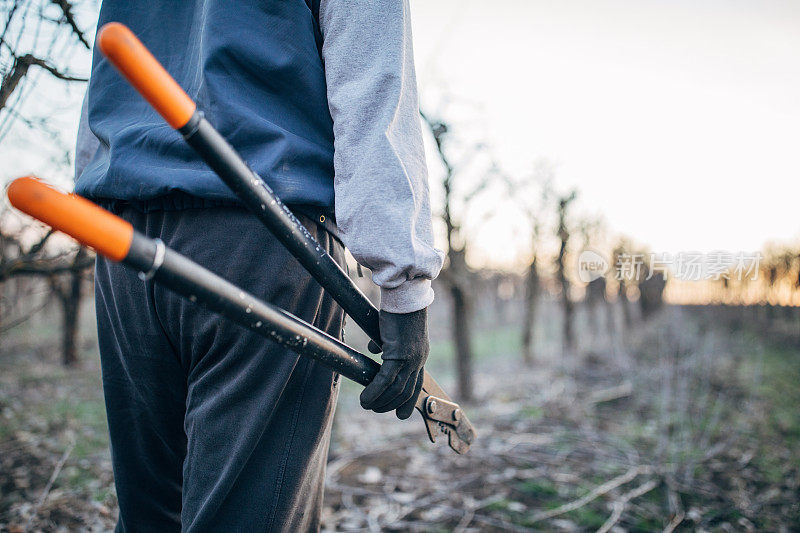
<point>405,350</point>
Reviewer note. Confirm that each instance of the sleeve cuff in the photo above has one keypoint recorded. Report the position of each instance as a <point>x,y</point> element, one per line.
<point>410,296</point>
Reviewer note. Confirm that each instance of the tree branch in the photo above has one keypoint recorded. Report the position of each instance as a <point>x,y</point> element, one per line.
<point>66,9</point>
<point>20,69</point>
<point>52,70</point>
<point>43,267</point>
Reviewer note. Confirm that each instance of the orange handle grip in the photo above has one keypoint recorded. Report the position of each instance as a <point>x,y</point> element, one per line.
<point>145,73</point>
<point>79,218</point>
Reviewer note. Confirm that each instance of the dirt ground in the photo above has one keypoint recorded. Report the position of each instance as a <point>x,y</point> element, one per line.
<point>692,426</point>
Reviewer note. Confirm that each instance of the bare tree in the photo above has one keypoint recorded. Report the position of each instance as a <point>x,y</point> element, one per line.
<point>456,275</point>
<point>532,194</point>
<point>563,233</point>
<point>40,37</point>
<point>532,291</point>
<point>36,34</point>
<point>64,268</point>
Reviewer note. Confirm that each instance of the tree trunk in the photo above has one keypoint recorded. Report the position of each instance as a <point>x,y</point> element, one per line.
<point>595,305</point>
<point>566,303</point>
<point>531,298</point>
<point>71,307</point>
<point>627,317</point>
<point>569,335</point>
<point>461,337</point>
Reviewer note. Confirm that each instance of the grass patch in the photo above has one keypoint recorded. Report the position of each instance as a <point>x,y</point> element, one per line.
<point>539,488</point>
<point>89,412</point>
<point>486,345</point>
<point>532,411</point>
<point>648,523</point>
<point>780,389</point>
<point>780,424</point>
<point>587,517</point>
<point>498,506</point>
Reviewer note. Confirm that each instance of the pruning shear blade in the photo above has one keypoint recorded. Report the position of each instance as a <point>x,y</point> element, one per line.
<point>442,414</point>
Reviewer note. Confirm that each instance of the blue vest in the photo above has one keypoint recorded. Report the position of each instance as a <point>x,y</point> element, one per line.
<point>254,68</point>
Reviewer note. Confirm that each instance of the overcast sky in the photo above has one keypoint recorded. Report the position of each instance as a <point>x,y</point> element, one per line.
<point>678,121</point>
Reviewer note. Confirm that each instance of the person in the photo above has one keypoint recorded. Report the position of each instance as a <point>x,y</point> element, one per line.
<point>212,427</point>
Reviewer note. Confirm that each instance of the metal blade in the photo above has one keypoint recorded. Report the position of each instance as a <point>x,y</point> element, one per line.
<point>439,412</point>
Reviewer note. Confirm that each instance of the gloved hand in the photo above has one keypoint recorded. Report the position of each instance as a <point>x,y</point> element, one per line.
<point>405,350</point>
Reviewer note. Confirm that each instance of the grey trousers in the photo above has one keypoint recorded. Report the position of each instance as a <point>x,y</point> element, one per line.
<point>214,428</point>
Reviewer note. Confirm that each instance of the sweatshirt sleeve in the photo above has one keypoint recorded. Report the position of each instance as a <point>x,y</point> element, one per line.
<point>381,182</point>
<point>87,143</point>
